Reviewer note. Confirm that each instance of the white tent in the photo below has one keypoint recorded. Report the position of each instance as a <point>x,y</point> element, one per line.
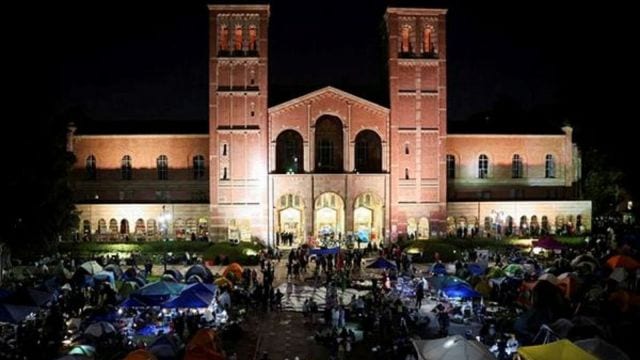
<point>452,348</point>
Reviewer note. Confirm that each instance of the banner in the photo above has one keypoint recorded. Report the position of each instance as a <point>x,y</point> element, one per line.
<point>325,252</point>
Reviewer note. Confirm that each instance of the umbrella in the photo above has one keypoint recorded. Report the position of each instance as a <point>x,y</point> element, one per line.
<point>99,329</point>
<point>601,349</point>
<point>91,267</point>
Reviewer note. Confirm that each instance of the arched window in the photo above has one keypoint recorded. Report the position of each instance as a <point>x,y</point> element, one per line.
<point>253,34</point>
<point>406,149</point>
<point>125,167</point>
<point>198,167</point>
<point>329,143</point>
<point>483,166</point>
<point>224,150</point>
<point>427,42</point>
<point>368,152</point>
<point>224,38</point>
<point>237,38</point>
<point>90,165</point>
<point>162,163</point>
<point>451,167</point>
<point>124,226</point>
<point>549,167</point>
<point>289,153</point>
<point>516,167</point>
<point>406,173</point>
<point>405,33</point>
<point>223,174</point>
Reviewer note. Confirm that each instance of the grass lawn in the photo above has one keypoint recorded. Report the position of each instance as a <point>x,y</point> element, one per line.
<point>244,253</point>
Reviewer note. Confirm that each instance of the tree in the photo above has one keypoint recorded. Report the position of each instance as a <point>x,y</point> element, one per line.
<point>39,188</point>
<point>602,182</point>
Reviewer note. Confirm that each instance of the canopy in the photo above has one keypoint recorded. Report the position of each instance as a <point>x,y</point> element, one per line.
<point>381,263</point>
<point>548,242</point>
<point>190,300</point>
<point>557,350</point>
<point>451,348</point>
<point>624,261</point>
<point>15,313</point>
<point>601,349</point>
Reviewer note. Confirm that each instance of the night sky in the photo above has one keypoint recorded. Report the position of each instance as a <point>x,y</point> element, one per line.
<point>534,61</point>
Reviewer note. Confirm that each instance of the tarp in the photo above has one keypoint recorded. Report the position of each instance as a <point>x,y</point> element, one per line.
<point>15,313</point>
<point>200,288</point>
<point>451,348</point>
<point>557,350</point>
<point>325,252</point>
<point>381,263</point>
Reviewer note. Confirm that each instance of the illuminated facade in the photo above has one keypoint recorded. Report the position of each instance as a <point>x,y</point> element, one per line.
<point>328,163</point>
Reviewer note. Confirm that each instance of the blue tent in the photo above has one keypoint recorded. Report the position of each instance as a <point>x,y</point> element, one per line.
<point>132,302</point>
<point>15,313</point>
<point>381,263</point>
<point>441,282</point>
<point>439,269</point>
<point>475,269</point>
<point>158,292</point>
<point>200,288</point>
<point>165,347</point>
<point>106,276</point>
<point>190,300</point>
<point>460,291</point>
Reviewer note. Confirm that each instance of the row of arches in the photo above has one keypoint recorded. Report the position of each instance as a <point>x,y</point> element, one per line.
<point>329,149</point>
<point>147,230</point>
<point>329,217</point>
<point>463,226</point>
<point>198,167</point>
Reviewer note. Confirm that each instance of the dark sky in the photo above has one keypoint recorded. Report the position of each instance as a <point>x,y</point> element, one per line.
<point>147,60</point>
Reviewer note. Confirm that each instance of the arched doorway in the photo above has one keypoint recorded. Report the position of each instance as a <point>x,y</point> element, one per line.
<point>367,218</point>
<point>412,228</point>
<point>368,152</point>
<point>289,154</point>
<point>290,220</point>
<point>329,217</point>
<point>329,145</point>
<point>423,228</point>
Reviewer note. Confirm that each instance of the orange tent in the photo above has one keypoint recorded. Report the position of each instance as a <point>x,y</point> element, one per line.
<point>141,354</point>
<point>205,345</point>
<point>624,261</point>
<point>234,269</point>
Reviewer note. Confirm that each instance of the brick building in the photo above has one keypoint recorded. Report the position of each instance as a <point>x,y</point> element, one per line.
<point>328,163</point>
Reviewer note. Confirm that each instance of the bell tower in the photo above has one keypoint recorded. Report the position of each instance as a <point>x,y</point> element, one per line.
<point>238,46</point>
<point>418,126</point>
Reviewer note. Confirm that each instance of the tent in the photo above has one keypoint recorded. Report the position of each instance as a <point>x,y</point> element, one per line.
<point>84,350</point>
<point>568,282</point>
<point>624,261</point>
<point>476,269</point>
<point>106,276</point>
<point>381,263</point>
<point>132,302</point>
<point>29,297</point>
<point>549,277</point>
<point>205,345</point>
<point>91,267</point>
<point>128,287</point>
<point>558,350</point>
<point>166,347</point>
<point>157,292</point>
<point>460,291</point>
<point>439,269</point>
<point>176,274</point>
<point>99,329</point>
<point>190,300</point>
<point>451,348</point>
<point>514,270</point>
<point>141,354</point>
<point>15,313</point>
<point>115,269</point>
<point>202,271</point>
<point>601,349</point>
<point>441,282</point>
<point>193,279</point>
<point>234,269</point>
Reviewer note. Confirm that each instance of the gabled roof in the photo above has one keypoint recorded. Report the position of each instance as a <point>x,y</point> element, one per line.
<point>332,91</point>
